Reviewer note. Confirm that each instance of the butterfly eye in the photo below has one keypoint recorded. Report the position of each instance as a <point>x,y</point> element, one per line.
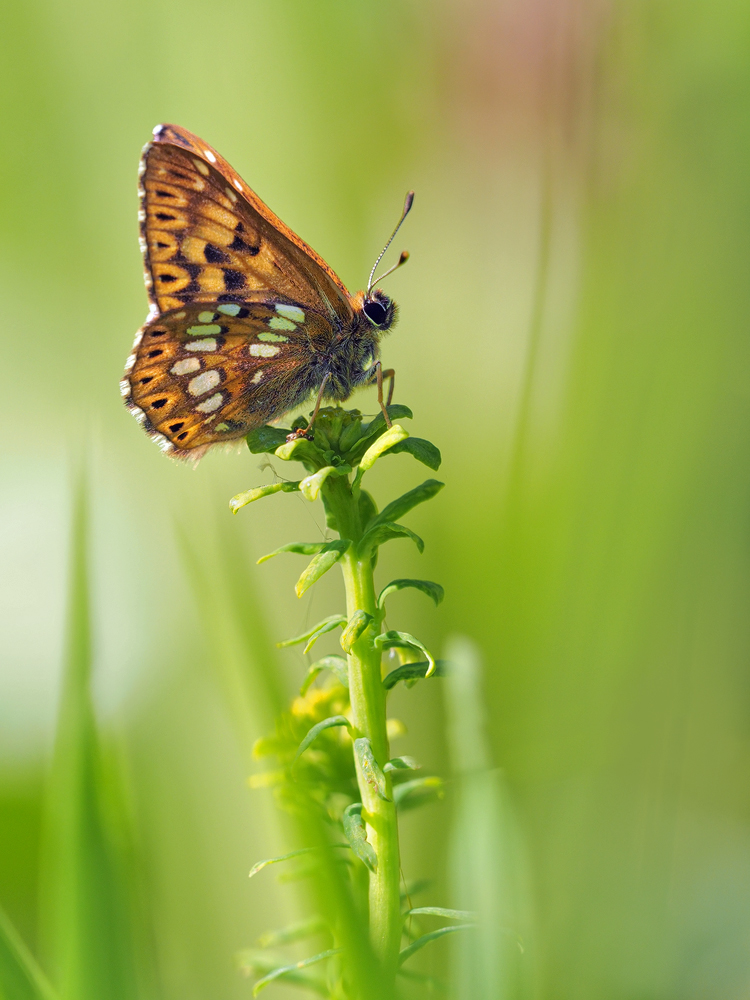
<point>375,311</point>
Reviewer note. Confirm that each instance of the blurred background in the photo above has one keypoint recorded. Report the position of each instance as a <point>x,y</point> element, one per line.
<point>573,336</point>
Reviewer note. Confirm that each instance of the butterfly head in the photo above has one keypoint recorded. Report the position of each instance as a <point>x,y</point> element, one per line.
<point>379,309</point>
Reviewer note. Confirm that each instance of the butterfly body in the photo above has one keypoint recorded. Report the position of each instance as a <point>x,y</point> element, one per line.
<point>247,322</point>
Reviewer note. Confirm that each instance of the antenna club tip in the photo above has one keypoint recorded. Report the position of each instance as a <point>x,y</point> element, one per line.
<point>404,257</point>
<point>409,202</point>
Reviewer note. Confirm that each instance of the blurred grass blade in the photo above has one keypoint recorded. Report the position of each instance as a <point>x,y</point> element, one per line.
<point>21,978</point>
<point>294,932</point>
<point>486,861</point>
<point>260,963</point>
<point>260,865</point>
<point>427,938</point>
<point>441,911</point>
<point>86,899</point>
<point>411,794</point>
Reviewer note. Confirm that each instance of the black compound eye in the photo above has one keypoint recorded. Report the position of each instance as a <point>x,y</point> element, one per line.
<point>375,311</point>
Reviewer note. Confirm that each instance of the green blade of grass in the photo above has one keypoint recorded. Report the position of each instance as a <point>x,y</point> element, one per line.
<point>87,901</point>
<point>21,977</point>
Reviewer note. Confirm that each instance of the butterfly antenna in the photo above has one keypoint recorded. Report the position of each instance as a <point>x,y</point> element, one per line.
<point>404,256</point>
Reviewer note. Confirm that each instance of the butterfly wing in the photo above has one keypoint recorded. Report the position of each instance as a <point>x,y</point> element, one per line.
<point>207,237</point>
<point>208,373</point>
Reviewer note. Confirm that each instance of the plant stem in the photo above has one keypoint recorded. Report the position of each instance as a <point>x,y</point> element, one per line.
<point>368,701</point>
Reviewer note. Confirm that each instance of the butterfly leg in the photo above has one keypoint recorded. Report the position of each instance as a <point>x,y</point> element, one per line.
<point>306,431</point>
<point>389,373</point>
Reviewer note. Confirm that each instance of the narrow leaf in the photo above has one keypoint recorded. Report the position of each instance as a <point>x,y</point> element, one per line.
<point>424,451</point>
<point>367,508</point>
<point>420,494</point>
<point>402,764</point>
<point>334,663</point>
<point>335,720</point>
<point>301,450</point>
<point>393,639</point>
<point>286,969</point>
<point>243,499</point>
<point>441,911</point>
<point>418,792</point>
<point>394,435</point>
<point>384,532</point>
<point>426,938</point>
<point>356,834</point>
<point>21,978</point>
<point>301,548</point>
<point>261,963</point>
<point>260,865</point>
<point>414,671</point>
<point>370,768</point>
<point>265,440</point>
<point>356,626</point>
<point>327,625</point>
<point>433,590</point>
<point>328,556</point>
<point>312,485</point>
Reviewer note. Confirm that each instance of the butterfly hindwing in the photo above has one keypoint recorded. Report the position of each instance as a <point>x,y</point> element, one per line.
<point>210,372</point>
<point>207,237</point>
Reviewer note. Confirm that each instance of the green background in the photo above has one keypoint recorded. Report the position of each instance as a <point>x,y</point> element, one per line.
<point>573,336</point>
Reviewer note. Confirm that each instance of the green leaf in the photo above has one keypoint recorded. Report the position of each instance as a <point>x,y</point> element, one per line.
<point>396,411</point>
<point>301,548</point>
<point>21,978</point>
<point>356,834</point>
<point>301,450</point>
<point>334,663</point>
<point>261,963</point>
<point>327,625</point>
<point>384,532</point>
<point>433,590</point>
<point>294,932</point>
<point>328,556</point>
<point>370,768</point>
<point>426,938</point>
<point>312,485</point>
<point>393,639</point>
<point>285,970</point>
<point>441,911</point>
<point>367,508</point>
<point>424,451</point>
<point>243,499</point>
<point>265,440</point>
<point>314,733</point>
<point>260,865</point>
<point>414,671</point>
<point>402,764</point>
<point>418,792</point>
<point>356,626</point>
<point>393,436</point>
<point>428,489</point>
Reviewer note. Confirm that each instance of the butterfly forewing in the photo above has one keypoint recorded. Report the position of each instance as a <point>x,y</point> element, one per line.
<point>207,373</point>
<point>207,237</point>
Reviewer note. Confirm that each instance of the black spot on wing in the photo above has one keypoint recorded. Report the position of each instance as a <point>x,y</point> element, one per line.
<point>239,244</point>
<point>233,279</point>
<point>214,255</point>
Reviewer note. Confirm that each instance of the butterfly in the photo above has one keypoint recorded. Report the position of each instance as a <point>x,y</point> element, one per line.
<point>246,321</point>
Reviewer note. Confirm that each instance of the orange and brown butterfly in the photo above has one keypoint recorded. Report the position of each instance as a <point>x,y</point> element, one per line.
<point>247,321</point>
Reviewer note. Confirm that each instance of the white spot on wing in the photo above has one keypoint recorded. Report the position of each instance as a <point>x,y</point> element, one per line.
<point>290,312</point>
<point>204,383</point>
<point>201,166</point>
<point>124,388</point>
<point>209,344</point>
<point>279,323</point>
<point>210,404</point>
<point>264,350</point>
<point>257,377</point>
<point>185,366</point>
<point>237,184</point>
<point>209,155</point>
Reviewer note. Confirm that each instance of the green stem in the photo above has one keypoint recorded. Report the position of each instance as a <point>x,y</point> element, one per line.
<point>368,701</point>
